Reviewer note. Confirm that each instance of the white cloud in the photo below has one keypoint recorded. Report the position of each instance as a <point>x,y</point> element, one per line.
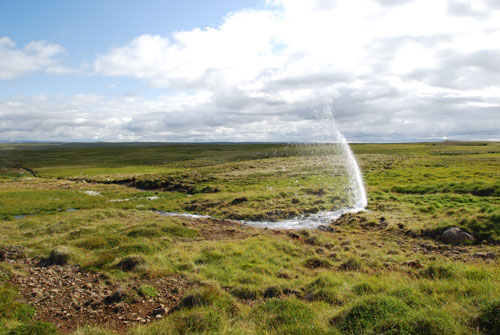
<point>392,71</point>
<point>35,56</point>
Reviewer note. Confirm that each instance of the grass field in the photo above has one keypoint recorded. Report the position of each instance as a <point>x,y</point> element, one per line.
<point>382,271</point>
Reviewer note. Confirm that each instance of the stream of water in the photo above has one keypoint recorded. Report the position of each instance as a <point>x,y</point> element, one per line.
<point>355,190</point>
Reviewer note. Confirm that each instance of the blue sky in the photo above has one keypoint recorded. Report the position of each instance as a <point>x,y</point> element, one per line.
<point>86,28</point>
<point>243,70</point>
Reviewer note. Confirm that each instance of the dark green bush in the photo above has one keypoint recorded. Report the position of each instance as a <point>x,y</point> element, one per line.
<point>438,271</point>
<point>364,315</point>
<point>489,319</point>
<point>36,328</point>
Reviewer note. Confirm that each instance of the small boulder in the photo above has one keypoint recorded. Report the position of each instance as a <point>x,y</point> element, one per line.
<point>239,200</point>
<point>159,311</point>
<point>118,295</point>
<point>312,240</point>
<point>130,263</point>
<point>491,255</point>
<point>59,256</point>
<point>454,235</point>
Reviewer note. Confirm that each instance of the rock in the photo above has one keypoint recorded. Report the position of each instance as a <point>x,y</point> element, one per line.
<point>326,228</point>
<point>491,255</point>
<point>488,255</point>
<point>454,235</point>
<point>11,252</point>
<point>131,263</point>
<point>293,235</point>
<point>118,295</point>
<point>312,240</point>
<point>239,200</point>
<point>159,311</point>
<point>59,256</point>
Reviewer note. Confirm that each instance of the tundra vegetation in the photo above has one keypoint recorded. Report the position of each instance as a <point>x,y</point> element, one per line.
<point>85,249</point>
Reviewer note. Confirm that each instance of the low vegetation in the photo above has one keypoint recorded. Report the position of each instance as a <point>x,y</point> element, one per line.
<point>383,271</point>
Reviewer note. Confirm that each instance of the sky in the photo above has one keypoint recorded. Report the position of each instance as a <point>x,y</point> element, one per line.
<point>249,70</point>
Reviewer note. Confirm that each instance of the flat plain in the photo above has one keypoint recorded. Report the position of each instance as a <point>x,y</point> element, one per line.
<point>86,249</point>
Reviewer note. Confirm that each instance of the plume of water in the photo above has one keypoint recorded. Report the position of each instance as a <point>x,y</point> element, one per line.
<point>355,190</point>
<point>356,184</point>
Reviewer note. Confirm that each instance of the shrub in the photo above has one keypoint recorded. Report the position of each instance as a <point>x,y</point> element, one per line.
<point>489,319</point>
<point>37,328</point>
<point>365,314</point>
<point>438,271</point>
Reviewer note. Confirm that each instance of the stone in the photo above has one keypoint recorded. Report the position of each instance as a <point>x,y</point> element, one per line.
<point>491,255</point>
<point>239,200</point>
<point>159,311</point>
<point>454,235</point>
<point>59,256</point>
<point>118,295</point>
<point>326,228</point>
<point>131,263</point>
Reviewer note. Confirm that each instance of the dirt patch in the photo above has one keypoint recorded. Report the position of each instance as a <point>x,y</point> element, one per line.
<point>70,297</point>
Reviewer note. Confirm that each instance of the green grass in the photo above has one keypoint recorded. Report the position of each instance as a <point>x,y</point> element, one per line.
<point>358,280</point>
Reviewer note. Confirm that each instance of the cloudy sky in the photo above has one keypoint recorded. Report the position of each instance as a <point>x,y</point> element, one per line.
<point>243,70</point>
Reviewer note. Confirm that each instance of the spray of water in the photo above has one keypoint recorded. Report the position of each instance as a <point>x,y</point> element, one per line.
<point>355,190</point>
<point>356,184</point>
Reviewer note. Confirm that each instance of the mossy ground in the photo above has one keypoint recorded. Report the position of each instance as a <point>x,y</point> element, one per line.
<point>379,272</point>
